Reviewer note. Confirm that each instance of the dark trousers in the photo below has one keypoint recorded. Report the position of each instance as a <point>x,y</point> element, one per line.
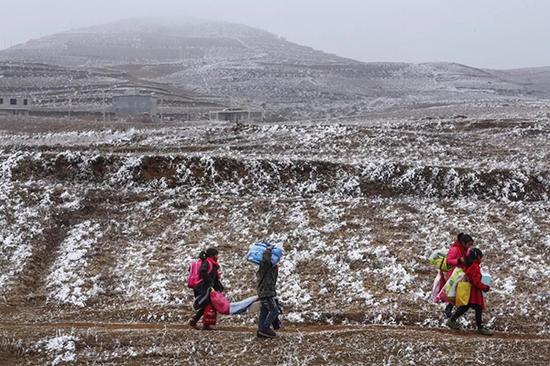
<point>268,312</point>
<point>201,300</point>
<point>449,310</point>
<point>463,309</point>
<point>199,314</point>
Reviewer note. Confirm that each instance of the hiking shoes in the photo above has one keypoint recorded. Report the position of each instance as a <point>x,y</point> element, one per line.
<point>193,324</point>
<point>452,324</point>
<point>266,333</point>
<point>485,331</point>
<point>207,327</point>
<point>448,312</point>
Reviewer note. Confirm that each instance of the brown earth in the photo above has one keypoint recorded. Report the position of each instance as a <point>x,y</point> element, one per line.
<point>115,328</point>
<point>177,344</point>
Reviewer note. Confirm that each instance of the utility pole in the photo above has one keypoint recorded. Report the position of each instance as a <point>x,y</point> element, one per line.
<point>104,108</point>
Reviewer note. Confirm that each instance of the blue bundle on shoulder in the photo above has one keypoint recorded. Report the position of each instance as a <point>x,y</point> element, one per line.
<point>256,252</point>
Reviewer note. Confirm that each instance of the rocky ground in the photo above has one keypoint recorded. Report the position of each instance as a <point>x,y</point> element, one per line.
<point>98,223</point>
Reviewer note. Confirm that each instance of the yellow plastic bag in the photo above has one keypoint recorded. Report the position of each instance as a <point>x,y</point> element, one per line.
<point>463,290</point>
<point>450,286</point>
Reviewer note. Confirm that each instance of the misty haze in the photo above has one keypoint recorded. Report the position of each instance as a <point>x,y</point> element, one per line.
<point>296,183</point>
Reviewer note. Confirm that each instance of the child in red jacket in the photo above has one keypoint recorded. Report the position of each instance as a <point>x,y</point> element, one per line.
<point>473,274</point>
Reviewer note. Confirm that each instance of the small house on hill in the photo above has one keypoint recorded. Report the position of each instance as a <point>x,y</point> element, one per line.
<point>236,115</point>
<point>134,105</point>
<point>15,104</point>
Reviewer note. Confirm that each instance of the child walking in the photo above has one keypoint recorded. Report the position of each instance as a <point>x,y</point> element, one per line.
<point>455,258</point>
<point>210,276</point>
<point>473,274</point>
<point>266,281</point>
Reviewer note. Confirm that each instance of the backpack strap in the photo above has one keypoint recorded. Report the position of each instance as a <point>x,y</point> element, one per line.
<point>441,275</point>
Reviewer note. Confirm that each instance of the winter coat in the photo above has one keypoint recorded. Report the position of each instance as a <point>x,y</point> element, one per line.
<point>266,277</point>
<point>210,274</point>
<point>473,274</point>
<point>456,252</point>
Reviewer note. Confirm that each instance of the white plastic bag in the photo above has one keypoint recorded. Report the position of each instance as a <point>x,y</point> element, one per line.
<point>436,288</point>
<point>486,280</point>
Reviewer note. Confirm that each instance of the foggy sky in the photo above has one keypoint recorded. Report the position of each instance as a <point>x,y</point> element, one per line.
<point>480,33</point>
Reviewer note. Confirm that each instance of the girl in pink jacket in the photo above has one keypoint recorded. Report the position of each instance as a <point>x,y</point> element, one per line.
<point>455,258</point>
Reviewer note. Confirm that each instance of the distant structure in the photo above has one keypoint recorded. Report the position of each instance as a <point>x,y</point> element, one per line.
<point>15,104</point>
<point>237,115</point>
<point>134,105</point>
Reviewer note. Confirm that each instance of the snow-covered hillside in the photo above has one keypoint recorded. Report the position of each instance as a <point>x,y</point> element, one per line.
<point>100,224</point>
<point>95,219</point>
<point>251,67</point>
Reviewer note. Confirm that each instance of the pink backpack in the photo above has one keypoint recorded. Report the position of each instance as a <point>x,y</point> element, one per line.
<point>194,278</point>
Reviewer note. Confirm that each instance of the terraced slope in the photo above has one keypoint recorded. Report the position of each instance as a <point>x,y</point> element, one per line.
<point>245,66</point>
<point>99,224</point>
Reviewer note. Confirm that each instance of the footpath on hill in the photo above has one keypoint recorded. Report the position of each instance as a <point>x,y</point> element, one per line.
<point>293,329</point>
<point>106,343</point>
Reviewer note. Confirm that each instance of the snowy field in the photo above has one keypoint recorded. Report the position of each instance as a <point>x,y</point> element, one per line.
<point>98,225</point>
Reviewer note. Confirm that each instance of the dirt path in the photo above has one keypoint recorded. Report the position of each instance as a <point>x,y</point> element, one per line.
<point>132,344</point>
<point>293,329</point>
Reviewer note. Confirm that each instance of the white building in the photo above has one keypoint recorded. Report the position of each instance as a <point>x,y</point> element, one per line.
<point>237,115</point>
<point>134,104</point>
<point>15,104</point>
